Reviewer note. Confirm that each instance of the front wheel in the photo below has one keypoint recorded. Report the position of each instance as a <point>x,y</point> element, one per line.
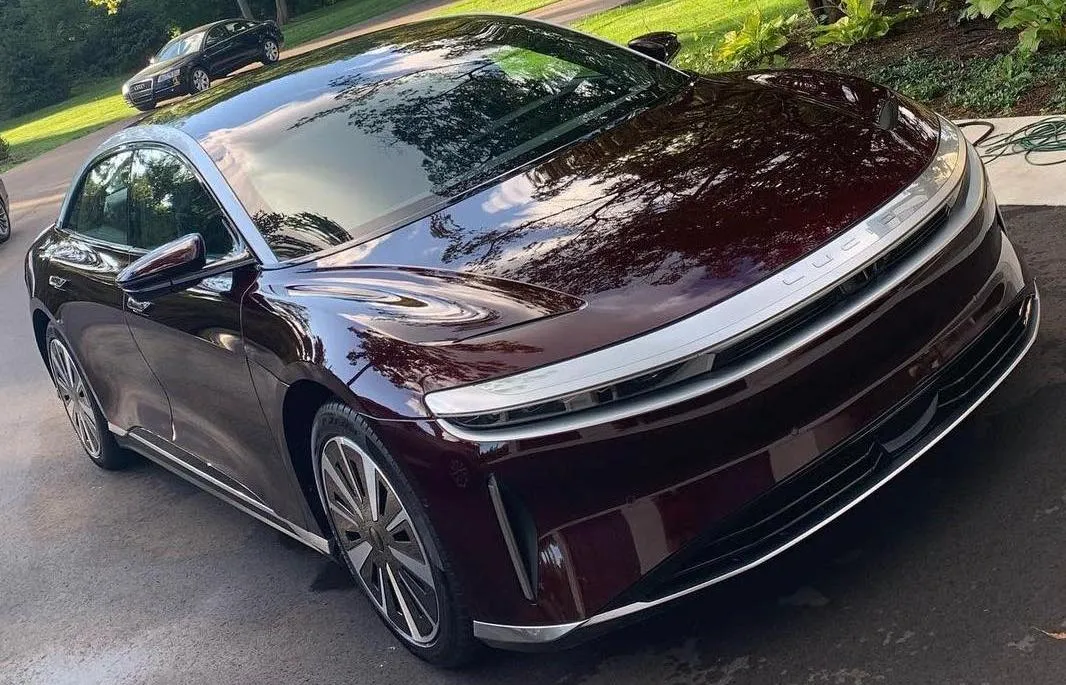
<point>271,52</point>
<point>5,224</point>
<point>78,401</point>
<point>387,541</point>
<point>146,107</point>
<point>199,81</point>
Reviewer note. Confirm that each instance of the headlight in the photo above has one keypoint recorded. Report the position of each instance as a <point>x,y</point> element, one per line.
<point>171,75</point>
<point>125,89</point>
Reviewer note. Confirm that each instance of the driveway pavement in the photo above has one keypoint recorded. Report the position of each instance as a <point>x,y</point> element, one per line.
<point>946,576</point>
<point>949,575</point>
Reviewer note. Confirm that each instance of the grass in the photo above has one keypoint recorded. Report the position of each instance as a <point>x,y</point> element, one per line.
<point>92,105</point>
<point>699,23</point>
<point>324,21</point>
<point>493,6</point>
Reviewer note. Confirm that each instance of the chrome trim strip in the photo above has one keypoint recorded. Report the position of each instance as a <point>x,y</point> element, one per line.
<point>139,135</point>
<point>736,316</point>
<point>509,539</point>
<point>227,494</point>
<point>965,211</point>
<point>504,634</point>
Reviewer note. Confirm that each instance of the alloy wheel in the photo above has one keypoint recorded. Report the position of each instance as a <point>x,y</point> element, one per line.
<point>270,51</point>
<point>378,536</point>
<point>5,224</point>
<point>75,396</point>
<point>200,81</point>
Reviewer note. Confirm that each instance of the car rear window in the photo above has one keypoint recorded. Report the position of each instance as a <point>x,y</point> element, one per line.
<point>364,136</point>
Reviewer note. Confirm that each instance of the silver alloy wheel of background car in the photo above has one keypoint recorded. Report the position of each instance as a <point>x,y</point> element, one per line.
<point>75,396</point>
<point>200,80</point>
<point>377,534</point>
<point>5,223</point>
<point>270,51</point>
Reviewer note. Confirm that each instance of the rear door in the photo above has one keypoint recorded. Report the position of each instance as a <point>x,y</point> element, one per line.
<point>221,50</point>
<point>192,339</point>
<point>247,37</point>
<point>81,259</point>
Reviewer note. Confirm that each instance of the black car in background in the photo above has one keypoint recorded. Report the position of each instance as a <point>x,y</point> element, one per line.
<point>189,62</point>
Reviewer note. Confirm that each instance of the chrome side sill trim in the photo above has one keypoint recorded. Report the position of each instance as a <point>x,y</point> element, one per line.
<point>504,635</point>
<point>509,539</point>
<point>740,314</point>
<point>227,494</point>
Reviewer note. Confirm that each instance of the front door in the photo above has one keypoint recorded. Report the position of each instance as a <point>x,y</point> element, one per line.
<point>83,257</point>
<point>192,339</point>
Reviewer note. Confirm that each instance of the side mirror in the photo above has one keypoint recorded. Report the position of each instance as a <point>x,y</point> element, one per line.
<point>165,268</point>
<point>661,45</point>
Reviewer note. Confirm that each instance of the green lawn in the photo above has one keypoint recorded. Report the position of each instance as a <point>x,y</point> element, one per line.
<point>493,6</point>
<point>321,22</point>
<point>93,105</point>
<point>698,22</point>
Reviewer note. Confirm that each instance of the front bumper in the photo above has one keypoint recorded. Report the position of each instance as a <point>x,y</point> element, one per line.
<point>818,495</point>
<point>158,92</point>
<point>599,516</point>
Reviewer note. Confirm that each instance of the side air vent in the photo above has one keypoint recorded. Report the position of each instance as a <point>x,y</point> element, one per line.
<point>519,534</point>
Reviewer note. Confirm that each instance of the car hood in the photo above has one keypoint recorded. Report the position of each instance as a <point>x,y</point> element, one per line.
<point>160,67</point>
<point>663,215</point>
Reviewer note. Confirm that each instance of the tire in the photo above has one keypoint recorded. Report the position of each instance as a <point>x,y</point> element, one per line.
<point>199,80</point>
<point>146,107</point>
<point>346,455</point>
<point>271,52</point>
<point>90,426</point>
<point>5,224</point>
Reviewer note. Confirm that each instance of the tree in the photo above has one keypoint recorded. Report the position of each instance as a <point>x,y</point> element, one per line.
<point>246,11</point>
<point>283,11</point>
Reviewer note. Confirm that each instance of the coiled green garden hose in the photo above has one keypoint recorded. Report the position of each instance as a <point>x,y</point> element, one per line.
<point>1045,135</point>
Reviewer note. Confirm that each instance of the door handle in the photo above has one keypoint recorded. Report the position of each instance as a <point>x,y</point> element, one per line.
<point>137,306</point>
<point>57,282</point>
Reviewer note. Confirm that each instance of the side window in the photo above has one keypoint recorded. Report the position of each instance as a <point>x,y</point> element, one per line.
<point>100,210</point>
<point>170,202</point>
<point>216,35</point>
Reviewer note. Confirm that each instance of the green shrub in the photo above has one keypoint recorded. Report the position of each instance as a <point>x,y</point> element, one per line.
<point>1039,21</point>
<point>993,85</point>
<point>862,21</point>
<point>5,149</point>
<point>755,43</point>
<point>922,78</point>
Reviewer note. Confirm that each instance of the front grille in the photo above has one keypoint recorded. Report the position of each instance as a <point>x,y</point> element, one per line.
<point>759,342</point>
<point>842,474</point>
<point>697,367</point>
<point>140,91</point>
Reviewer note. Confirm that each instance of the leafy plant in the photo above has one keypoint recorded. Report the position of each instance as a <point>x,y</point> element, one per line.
<point>5,149</point>
<point>1038,20</point>
<point>755,43</point>
<point>862,21</point>
<point>993,85</point>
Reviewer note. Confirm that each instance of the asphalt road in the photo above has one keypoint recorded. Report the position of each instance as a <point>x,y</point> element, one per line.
<point>946,576</point>
<point>949,575</point>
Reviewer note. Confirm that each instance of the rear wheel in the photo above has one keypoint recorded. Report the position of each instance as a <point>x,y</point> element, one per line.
<point>5,223</point>
<point>199,81</point>
<point>88,421</point>
<point>271,53</point>
<point>387,541</point>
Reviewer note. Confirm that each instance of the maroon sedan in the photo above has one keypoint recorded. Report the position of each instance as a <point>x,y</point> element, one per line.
<point>532,332</point>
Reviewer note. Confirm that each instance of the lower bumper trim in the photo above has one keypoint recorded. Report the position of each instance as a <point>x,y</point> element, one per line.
<point>534,637</point>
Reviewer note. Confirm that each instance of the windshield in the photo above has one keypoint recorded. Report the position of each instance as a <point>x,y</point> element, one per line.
<point>374,132</point>
<point>180,46</point>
